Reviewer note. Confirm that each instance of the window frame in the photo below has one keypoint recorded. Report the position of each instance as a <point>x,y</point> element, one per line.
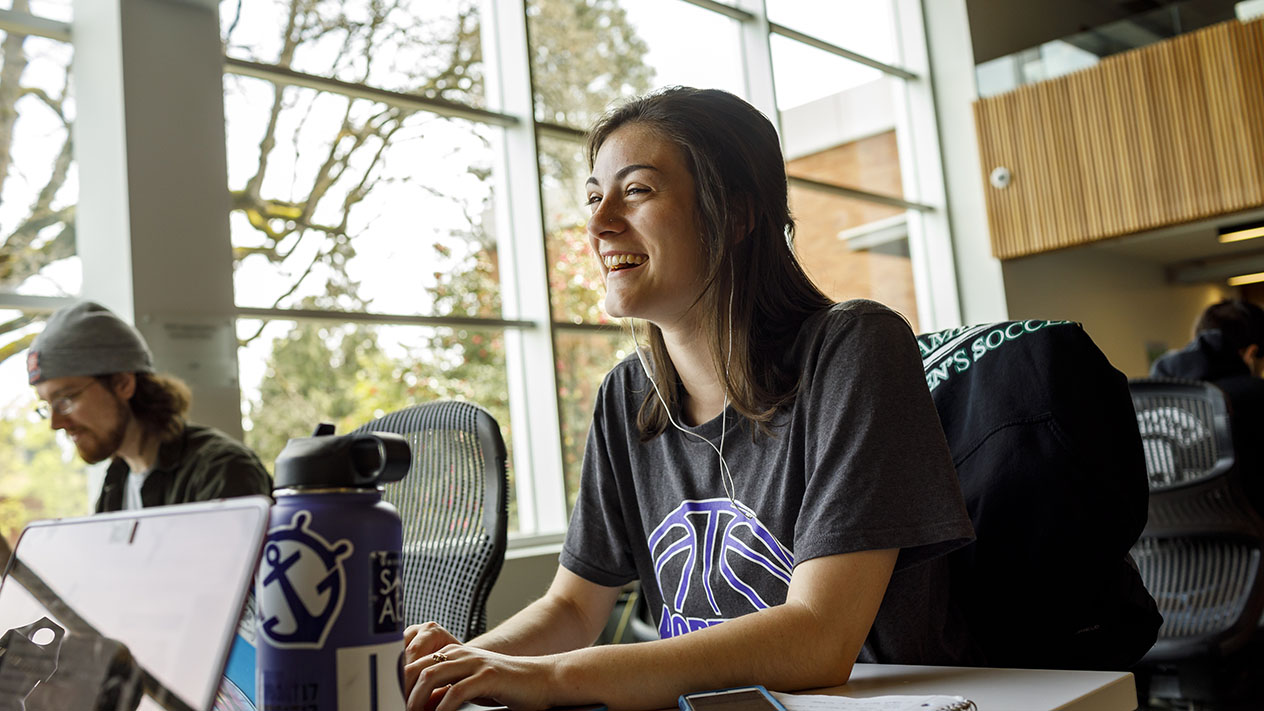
<point>527,319</point>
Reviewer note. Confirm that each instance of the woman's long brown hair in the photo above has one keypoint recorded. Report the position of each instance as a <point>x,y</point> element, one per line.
<point>734,156</point>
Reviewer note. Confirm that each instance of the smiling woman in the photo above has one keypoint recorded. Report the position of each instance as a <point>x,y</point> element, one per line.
<point>717,207</point>
<point>842,496</point>
<point>643,228</point>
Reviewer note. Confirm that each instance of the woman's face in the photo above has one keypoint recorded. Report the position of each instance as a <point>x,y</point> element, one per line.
<point>643,228</point>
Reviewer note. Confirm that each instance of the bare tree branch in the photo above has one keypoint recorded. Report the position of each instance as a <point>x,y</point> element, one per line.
<point>232,26</point>
<point>61,169</point>
<point>316,258</point>
<point>268,142</point>
<point>14,58</point>
<point>12,348</point>
<point>258,332</point>
<point>19,263</point>
<point>49,101</point>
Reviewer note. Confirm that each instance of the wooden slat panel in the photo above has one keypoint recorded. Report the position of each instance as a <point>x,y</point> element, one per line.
<point>1142,140</point>
<point>1190,114</point>
<point>1088,123</point>
<point>1027,151</point>
<point>1175,165</point>
<point>1168,133</point>
<point>1249,45</point>
<point>1119,143</point>
<point>1068,203</point>
<point>1223,110</point>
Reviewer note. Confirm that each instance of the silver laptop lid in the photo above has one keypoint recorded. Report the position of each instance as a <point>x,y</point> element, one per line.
<point>93,609</point>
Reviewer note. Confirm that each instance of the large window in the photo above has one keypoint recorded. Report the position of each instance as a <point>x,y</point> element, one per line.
<point>841,97</point>
<point>361,187</point>
<point>405,208</point>
<point>585,56</point>
<point>840,93</point>
<point>39,269</point>
<point>51,9</point>
<point>37,168</point>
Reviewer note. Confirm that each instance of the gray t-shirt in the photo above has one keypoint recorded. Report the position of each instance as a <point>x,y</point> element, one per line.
<point>858,462</point>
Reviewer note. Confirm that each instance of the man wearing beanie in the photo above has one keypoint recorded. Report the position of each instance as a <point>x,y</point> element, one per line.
<point>96,379</point>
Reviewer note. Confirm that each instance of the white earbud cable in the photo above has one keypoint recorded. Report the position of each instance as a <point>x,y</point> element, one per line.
<point>726,475</point>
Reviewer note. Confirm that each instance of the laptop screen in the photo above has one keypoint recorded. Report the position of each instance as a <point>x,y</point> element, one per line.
<point>148,596</point>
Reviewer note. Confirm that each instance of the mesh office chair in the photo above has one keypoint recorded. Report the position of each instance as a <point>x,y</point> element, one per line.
<point>1200,551</point>
<point>453,504</point>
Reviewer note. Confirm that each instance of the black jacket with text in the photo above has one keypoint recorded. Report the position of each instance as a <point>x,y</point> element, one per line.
<point>1044,438</point>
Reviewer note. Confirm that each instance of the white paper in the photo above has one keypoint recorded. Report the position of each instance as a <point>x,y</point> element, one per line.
<point>819,702</point>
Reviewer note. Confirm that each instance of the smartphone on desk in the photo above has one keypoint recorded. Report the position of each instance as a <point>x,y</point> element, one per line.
<point>742,698</point>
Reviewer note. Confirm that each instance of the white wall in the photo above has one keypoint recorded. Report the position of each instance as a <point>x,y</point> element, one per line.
<point>524,579</point>
<point>849,115</point>
<point>1124,302</point>
<point>152,215</point>
<point>979,278</point>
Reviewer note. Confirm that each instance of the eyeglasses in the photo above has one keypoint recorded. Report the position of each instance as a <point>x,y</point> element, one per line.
<point>61,405</point>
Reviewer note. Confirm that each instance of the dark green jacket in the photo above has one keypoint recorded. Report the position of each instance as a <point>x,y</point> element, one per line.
<point>201,464</point>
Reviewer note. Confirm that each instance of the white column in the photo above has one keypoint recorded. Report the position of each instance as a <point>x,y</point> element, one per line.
<point>757,62</point>
<point>930,234</point>
<point>532,379</point>
<point>153,210</point>
<point>951,59</point>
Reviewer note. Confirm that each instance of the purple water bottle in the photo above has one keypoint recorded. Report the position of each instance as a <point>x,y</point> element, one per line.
<point>330,608</point>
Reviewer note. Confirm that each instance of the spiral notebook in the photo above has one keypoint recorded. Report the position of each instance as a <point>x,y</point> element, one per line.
<point>819,702</point>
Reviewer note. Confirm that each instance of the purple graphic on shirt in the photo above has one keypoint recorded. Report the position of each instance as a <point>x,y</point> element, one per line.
<point>703,544</point>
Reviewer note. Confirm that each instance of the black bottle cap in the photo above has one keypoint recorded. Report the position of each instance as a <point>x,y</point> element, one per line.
<point>358,460</point>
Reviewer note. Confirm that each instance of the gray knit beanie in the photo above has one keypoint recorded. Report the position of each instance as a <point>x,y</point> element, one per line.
<point>86,339</point>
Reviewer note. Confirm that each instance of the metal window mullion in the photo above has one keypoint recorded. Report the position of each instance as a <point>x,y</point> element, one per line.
<point>855,194</point>
<point>922,172</point>
<point>268,314</point>
<point>586,327</point>
<point>558,131</point>
<point>824,46</point>
<point>34,304</point>
<point>289,77</point>
<point>727,10</point>
<point>532,378</point>
<point>757,61</point>
<point>24,23</point>
<point>981,294</point>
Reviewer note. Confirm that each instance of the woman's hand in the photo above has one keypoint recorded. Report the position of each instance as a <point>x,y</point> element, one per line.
<point>421,641</point>
<point>455,674</point>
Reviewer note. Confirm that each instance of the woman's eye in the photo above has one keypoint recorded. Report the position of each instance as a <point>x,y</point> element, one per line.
<point>592,200</point>
<point>634,190</point>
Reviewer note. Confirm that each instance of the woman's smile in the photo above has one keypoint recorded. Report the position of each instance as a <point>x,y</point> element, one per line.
<point>643,224</point>
<point>620,262</point>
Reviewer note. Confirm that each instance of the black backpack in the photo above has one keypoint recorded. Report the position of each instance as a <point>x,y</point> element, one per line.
<point>1044,438</point>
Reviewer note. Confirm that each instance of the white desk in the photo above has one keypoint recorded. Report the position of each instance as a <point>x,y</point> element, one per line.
<point>998,689</point>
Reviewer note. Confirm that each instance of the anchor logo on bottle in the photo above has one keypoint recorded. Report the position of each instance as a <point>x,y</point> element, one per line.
<point>302,584</point>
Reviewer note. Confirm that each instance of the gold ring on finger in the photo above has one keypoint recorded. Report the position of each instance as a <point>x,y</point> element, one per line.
<point>439,657</point>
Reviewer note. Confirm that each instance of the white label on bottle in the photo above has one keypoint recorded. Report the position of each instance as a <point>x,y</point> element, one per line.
<point>371,677</point>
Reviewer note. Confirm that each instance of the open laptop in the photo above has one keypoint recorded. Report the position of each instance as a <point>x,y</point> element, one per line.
<point>127,610</point>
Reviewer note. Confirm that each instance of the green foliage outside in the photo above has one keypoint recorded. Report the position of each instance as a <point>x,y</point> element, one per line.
<point>349,374</point>
<point>585,55</point>
<point>41,479</point>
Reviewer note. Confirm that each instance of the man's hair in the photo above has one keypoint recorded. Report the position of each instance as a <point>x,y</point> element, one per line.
<point>734,155</point>
<point>1241,323</point>
<point>159,403</point>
